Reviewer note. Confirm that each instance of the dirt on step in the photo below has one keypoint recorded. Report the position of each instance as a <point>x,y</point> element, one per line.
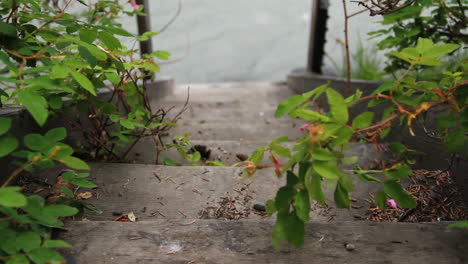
<point>437,196</point>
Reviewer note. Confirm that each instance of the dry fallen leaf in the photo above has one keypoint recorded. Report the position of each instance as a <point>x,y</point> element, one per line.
<point>84,195</point>
<point>131,216</point>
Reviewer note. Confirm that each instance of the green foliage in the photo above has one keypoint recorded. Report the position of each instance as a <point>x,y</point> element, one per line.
<point>365,65</point>
<point>437,21</point>
<point>53,63</point>
<point>318,155</point>
<point>24,220</point>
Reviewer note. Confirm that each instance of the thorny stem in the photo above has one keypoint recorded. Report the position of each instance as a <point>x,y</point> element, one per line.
<point>348,59</point>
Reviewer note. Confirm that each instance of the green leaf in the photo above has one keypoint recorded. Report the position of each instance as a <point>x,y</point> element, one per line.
<point>363,120</point>
<point>270,207</point>
<point>322,154</point>
<point>424,45</point>
<point>309,115</point>
<point>215,163</point>
<point>18,259</point>
<point>114,78</point>
<point>342,136</point>
<point>291,228</point>
<point>36,142</point>
<point>366,177</point>
<point>280,140</point>
<point>288,105</point>
<point>55,102</point>
<point>118,31</point>
<point>398,171</point>
<point>8,241</point>
<point>257,155</point>
<point>386,86</point>
<point>60,210</point>
<point>283,198</point>
<point>162,54</point>
<point>291,179</point>
<point>396,191</point>
<point>313,183</point>
<point>88,35</point>
<point>338,107</point>
<point>341,196</point>
<point>462,224</point>
<point>44,255</point>
<point>67,191</point>
<point>326,169</point>
<point>84,82</point>
<point>74,163</point>
<point>442,49</point>
<point>10,197</point>
<point>5,125</point>
<point>56,244</point>
<point>28,241</point>
<point>280,150</point>
<point>109,40</point>
<point>315,93</point>
<point>350,160</point>
<point>402,56</point>
<point>381,200</point>
<point>85,54</point>
<point>59,71</point>
<point>36,105</point>
<point>302,205</point>
<point>56,134</point>
<point>7,145</point>
<point>7,29</point>
<point>169,162</point>
<point>428,61</point>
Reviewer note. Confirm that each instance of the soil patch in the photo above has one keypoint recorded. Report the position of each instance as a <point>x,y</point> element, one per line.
<point>438,200</point>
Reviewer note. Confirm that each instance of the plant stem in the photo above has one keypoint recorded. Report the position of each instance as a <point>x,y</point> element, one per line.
<point>13,175</point>
<point>348,59</point>
<point>397,82</point>
<point>390,119</point>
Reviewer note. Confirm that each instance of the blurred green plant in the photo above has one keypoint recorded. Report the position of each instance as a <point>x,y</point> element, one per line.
<point>442,21</point>
<point>365,65</point>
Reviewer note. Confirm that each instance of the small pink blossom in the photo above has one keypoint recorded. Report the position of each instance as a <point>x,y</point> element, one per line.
<point>392,204</point>
<point>134,4</point>
<point>304,127</point>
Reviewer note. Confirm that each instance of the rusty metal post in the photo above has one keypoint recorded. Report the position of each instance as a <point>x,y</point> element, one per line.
<point>144,25</point>
<point>318,28</point>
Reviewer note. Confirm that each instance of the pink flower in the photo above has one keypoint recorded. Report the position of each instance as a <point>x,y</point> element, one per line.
<point>392,204</point>
<point>134,4</point>
<point>304,127</point>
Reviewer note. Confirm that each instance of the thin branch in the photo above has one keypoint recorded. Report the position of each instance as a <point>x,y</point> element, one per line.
<point>173,19</point>
<point>348,59</point>
<point>390,119</point>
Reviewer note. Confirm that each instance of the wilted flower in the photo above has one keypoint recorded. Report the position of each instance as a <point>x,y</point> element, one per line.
<point>392,204</point>
<point>134,4</point>
<point>304,127</point>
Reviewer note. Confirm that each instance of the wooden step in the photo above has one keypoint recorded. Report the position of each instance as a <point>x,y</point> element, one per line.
<point>247,241</point>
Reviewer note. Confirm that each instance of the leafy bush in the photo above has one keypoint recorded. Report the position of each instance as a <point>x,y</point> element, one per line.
<point>317,156</point>
<point>57,64</point>
<point>437,20</point>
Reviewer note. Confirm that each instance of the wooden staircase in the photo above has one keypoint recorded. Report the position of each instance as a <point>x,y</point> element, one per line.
<point>205,214</point>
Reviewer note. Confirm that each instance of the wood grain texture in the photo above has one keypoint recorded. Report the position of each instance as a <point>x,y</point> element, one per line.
<point>247,241</point>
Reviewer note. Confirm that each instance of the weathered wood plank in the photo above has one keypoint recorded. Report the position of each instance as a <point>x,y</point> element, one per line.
<point>179,192</point>
<point>214,241</point>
